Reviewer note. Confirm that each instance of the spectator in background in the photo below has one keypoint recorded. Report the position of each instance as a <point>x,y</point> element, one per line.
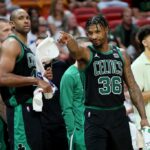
<point>57,20</point>
<point>6,7</point>
<point>10,6</point>
<point>73,28</point>
<point>125,33</point>
<point>39,26</point>
<point>141,8</point>
<point>43,26</point>
<point>3,10</point>
<point>110,3</point>
<point>32,35</point>
<point>72,102</point>
<point>82,3</point>
<point>141,70</point>
<point>33,12</point>
<point>112,40</point>
<point>58,17</point>
<point>5,29</point>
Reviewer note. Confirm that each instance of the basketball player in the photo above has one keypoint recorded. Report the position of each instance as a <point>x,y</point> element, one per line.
<point>17,70</point>
<point>106,69</point>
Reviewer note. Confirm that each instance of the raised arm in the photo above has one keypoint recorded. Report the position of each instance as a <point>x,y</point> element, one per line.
<point>9,52</point>
<point>76,51</point>
<point>135,93</point>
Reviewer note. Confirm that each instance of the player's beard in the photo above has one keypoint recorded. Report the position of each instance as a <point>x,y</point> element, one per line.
<point>23,32</point>
<point>98,46</point>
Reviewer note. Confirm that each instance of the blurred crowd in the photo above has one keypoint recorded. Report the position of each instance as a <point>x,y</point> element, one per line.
<point>125,18</point>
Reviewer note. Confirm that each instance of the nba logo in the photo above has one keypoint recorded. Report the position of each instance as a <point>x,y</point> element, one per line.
<point>116,55</point>
<point>28,109</point>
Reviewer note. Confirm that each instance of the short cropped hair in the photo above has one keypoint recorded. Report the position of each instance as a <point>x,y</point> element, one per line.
<point>143,32</point>
<point>99,19</point>
<point>2,19</point>
<point>42,36</point>
<point>141,35</point>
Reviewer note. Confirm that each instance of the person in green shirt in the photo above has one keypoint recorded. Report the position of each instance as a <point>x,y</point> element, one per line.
<point>72,103</point>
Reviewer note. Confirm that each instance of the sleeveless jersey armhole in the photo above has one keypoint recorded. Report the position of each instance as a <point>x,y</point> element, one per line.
<point>88,63</point>
<point>21,46</point>
<point>91,57</point>
<point>120,54</point>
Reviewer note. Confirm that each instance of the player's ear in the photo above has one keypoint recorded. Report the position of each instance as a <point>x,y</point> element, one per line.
<point>144,42</point>
<point>12,24</point>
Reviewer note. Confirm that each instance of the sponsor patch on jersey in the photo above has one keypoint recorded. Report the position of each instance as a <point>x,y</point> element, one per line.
<point>89,114</point>
<point>28,109</point>
<point>116,55</point>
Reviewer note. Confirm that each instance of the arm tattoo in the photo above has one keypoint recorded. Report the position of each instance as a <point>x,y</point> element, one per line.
<point>134,90</point>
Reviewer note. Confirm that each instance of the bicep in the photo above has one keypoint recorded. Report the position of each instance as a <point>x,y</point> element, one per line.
<point>9,53</point>
<point>128,75</point>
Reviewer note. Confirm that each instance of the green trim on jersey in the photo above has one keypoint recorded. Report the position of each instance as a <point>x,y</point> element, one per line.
<point>89,62</point>
<point>91,57</point>
<point>105,80</point>
<point>29,101</point>
<point>104,53</point>
<point>109,52</point>
<point>12,101</point>
<point>19,129</point>
<point>120,54</point>
<point>2,142</point>
<point>101,108</point>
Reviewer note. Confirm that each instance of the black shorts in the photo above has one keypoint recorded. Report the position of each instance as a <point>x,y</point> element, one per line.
<point>24,128</point>
<point>107,130</point>
<point>54,134</point>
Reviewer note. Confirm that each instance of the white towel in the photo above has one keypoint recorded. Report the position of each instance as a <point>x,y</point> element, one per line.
<point>45,52</point>
<point>37,100</point>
